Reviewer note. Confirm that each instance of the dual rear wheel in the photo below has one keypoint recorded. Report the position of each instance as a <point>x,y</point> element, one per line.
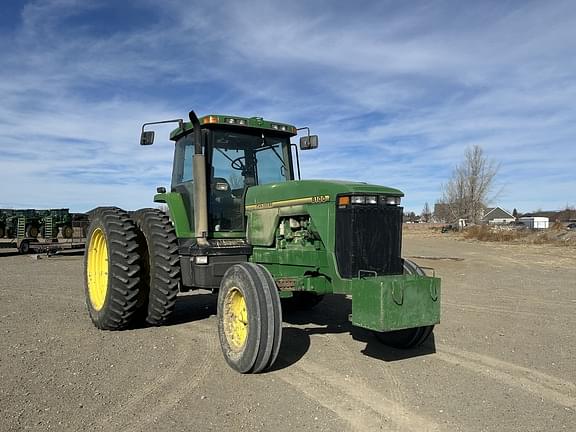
<point>112,266</point>
<point>131,268</point>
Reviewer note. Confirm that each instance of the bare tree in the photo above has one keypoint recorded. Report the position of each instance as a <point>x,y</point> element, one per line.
<point>441,212</point>
<point>467,193</point>
<point>426,213</point>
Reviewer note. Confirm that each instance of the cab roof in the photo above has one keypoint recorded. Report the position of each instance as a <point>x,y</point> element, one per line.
<point>228,120</point>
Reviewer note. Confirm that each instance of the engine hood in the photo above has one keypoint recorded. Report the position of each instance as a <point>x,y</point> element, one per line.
<point>326,190</point>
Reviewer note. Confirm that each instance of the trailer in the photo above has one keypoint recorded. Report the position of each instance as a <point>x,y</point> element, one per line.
<point>50,244</point>
<point>44,223</point>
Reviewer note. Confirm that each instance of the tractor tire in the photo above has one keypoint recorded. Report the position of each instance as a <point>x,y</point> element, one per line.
<point>161,263</point>
<point>2,232</point>
<point>412,337</point>
<point>301,300</point>
<point>112,270</point>
<point>67,232</point>
<point>32,231</point>
<point>249,318</point>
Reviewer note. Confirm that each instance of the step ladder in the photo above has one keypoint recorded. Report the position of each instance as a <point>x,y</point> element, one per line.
<point>21,230</point>
<point>50,228</point>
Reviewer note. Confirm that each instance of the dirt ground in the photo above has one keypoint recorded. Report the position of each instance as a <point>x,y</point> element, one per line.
<point>503,358</point>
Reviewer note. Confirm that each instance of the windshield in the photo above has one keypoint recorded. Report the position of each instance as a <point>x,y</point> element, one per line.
<point>250,159</point>
<point>238,161</point>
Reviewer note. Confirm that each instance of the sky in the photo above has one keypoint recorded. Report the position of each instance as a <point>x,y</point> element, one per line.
<point>396,92</point>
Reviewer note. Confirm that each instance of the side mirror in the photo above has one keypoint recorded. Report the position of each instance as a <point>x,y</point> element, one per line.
<point>147,138</point>
<point>308,142</point>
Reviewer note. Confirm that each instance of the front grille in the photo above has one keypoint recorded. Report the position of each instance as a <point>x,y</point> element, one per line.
<point>369,238</point>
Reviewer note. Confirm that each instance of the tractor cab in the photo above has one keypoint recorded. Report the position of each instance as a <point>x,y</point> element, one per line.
<point>235,160</point>
<point>217,158</point>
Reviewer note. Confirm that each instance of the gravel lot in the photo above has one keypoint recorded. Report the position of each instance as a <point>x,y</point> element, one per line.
<point>503,358</point>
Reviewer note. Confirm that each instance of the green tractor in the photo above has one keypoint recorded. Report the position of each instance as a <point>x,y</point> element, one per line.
<point>243,224</point>
<point>55,221</point>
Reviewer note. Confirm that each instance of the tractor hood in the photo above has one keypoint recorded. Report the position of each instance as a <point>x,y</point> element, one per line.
<point>323,190</point>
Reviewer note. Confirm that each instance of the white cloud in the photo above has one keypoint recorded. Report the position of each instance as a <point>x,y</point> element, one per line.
<point>395,92</point>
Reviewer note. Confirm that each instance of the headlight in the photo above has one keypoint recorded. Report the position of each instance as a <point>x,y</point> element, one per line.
<point>371,199</point>
<point>358,199</point>
<point>388,200</point>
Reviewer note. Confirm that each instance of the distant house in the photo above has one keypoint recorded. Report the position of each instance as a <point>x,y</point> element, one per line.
<point>554,215</point>
<point>535,222</point>
<point>497,216</point>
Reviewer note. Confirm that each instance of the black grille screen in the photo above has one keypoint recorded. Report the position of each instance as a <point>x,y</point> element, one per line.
<point>369,237</point>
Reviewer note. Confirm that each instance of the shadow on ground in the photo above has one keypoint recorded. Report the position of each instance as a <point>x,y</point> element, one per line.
<point>193,307</point>
<point>331,317</point>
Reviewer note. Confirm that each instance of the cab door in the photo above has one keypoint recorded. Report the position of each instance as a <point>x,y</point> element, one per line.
<point>183,175</point>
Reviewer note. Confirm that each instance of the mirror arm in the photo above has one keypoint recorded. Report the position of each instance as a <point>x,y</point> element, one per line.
<point>307,128</point>
<point>179,121</point>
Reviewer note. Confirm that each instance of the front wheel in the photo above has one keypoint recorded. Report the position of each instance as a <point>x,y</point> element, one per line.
<point>249,318</point>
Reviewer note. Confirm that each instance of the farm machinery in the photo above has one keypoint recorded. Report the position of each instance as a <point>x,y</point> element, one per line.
<point>23,227</point>
<point>31,223</point>
<point>243,224</point>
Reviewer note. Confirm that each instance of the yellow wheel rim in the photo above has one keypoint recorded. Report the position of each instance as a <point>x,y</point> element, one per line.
<point>235,319</point>
<point>97,269</point>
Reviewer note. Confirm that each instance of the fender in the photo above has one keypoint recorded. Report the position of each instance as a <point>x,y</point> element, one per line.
<point>178,213</point>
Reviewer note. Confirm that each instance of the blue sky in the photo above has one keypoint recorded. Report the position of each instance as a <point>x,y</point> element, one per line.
<point>395,90</point>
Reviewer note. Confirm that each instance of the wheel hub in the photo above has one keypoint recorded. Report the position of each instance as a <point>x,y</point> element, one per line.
<point>97,269</point>
<point>235,319</point>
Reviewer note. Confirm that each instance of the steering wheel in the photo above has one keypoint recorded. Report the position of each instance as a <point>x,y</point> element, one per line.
<point>237,163</point>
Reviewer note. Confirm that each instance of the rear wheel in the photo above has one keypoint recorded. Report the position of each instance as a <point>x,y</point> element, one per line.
<point>112,270</point>
<point>24,247</point>
<point>161,273</point>
<point>412,337</point>
<point>67,231</point>
<point>249,318</point>
<point>32,231</point>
